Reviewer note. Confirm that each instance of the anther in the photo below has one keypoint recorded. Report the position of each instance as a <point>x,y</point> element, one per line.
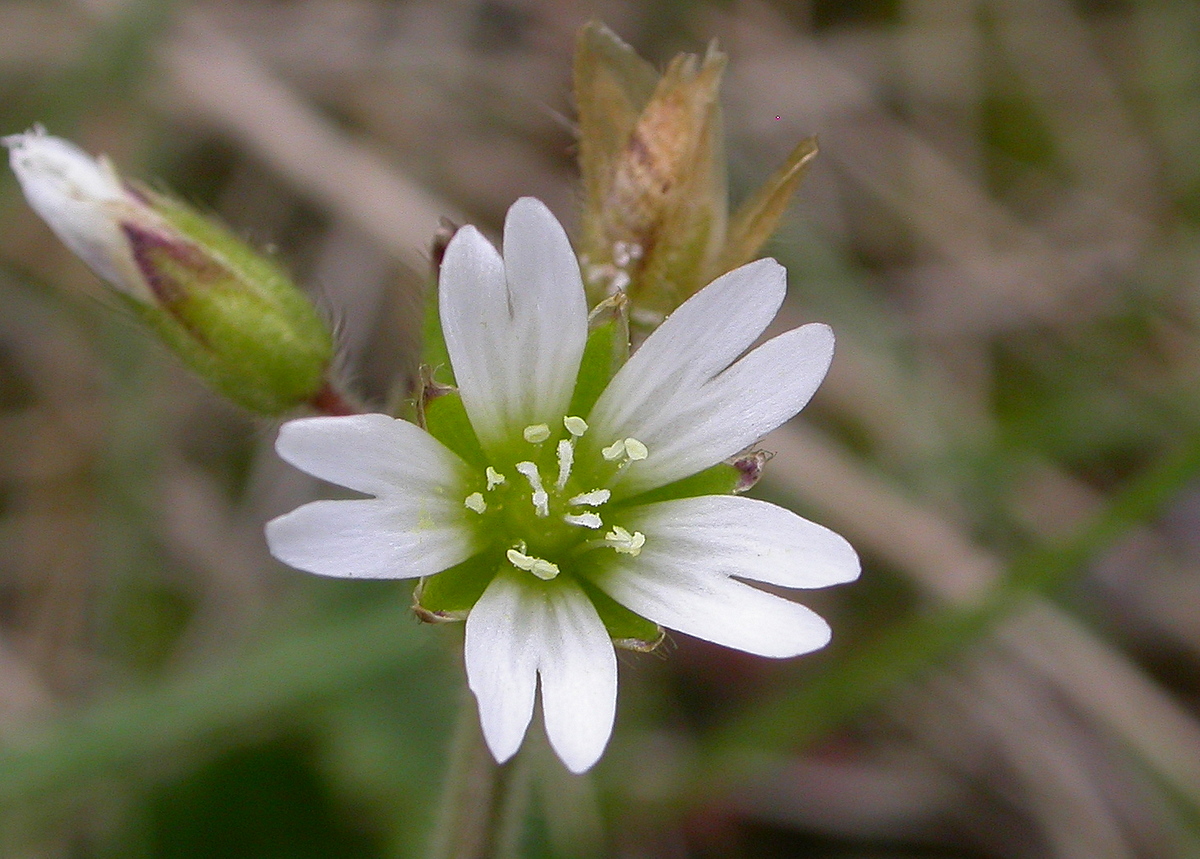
<point>635,450</point>
<point>475,502</point>
<point>625,543</point>
<point>541,501</point>
<point>614,451</point>
<point>543,569</point>
<point>591,499</point>
<point>586,520</point>
<point>494,478</point>
<point>536,433</point>
<point>576,426</point>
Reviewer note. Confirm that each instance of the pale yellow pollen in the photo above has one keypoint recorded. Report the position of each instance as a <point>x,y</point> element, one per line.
<point>543,569</point>
<point>536,433</point>
<point>576,426</point>
<point>591,499</point>
<point>494,478</point>
<point>475,502</point>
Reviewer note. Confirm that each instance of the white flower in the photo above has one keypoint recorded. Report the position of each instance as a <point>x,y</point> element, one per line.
<point>549,507</point>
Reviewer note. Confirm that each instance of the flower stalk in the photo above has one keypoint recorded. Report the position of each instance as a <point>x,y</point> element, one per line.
<point>482,802</point>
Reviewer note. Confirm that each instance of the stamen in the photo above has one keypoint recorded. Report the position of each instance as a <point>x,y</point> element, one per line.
<point>494,478</point>
<point>536,433</point>
<point>630,448</point>
<point>635,450</point>
<point>575,426</point>
<point>625,543</point>
<point>591,499</point>
<point>587,520</point>
<point>475,502</point>
<point>543,569</point>
<point>566,457</point>
<point>614,451</point>
<point>541,501</point>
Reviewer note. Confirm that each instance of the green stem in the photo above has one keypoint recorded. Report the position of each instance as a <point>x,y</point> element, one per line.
<point>482,804</point>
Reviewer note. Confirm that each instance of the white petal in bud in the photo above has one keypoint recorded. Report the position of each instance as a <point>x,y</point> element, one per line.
<point>83,201</point>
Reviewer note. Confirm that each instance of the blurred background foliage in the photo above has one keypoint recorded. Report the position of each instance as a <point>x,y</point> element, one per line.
<point>1003,227</point>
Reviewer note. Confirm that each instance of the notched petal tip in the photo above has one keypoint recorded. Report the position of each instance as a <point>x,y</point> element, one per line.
<point>466,243</point>
<point>532,211</point>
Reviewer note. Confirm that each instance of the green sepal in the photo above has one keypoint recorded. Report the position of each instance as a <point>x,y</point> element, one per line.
<point>242,349</point>
<point>720,479</point>
<point>627,629</point>
<point>606,350</point>
<point>231,314</point>
<point>450,594</point>
<point>446,420</point>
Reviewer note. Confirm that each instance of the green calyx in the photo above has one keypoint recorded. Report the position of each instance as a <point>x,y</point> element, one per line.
<point>233,316</point>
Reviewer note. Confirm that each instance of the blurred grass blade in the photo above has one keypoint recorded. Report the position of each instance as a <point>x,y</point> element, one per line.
<point>298,667</point>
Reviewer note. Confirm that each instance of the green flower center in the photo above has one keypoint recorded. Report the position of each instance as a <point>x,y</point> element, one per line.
<point>545,510</point>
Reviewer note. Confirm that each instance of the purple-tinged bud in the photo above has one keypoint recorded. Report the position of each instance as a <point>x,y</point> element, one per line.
<point>231,314</point>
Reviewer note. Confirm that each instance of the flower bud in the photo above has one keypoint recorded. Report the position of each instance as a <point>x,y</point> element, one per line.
<point>232,315</point>
<point>656,222</point>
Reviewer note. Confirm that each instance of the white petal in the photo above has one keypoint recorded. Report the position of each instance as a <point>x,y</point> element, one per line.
<point>671,590</point>
<point>78,197</point>
<point>502,662</point>
<point>688,421</point>
<point>515,329</point>
<point>746,538</point>
<point>521,627</point>
<point>579,678</point>
<point>703,336</point>
<point>398,538</point>
<point>376,454</point>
